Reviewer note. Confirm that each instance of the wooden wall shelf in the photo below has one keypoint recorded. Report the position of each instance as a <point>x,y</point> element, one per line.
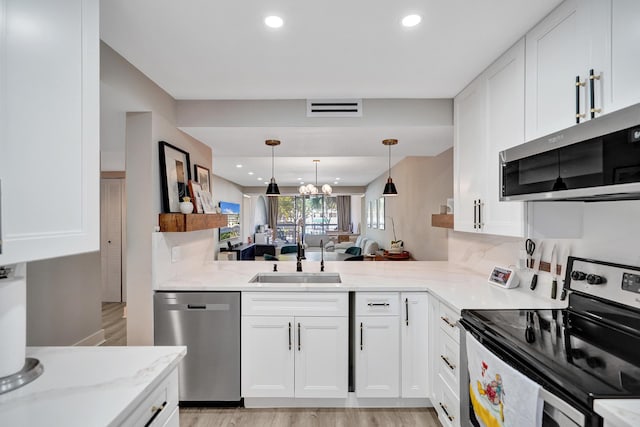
<point>178,222</point>
<point>442,220</point>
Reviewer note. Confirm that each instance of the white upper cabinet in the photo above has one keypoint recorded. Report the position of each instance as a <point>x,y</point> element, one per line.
<point>49,129</point>
<point>623,88</point>
<point>489,117</point>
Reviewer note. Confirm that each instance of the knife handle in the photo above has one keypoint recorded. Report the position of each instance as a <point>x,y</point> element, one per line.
<point>554,289</point>
<point>534,281</point>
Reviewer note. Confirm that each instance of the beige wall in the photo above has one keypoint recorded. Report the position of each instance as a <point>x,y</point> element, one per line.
<point>424,183</point>
<point>136,115</point>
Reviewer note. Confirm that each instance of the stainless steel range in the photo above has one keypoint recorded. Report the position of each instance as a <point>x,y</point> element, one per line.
<point>588,351</point>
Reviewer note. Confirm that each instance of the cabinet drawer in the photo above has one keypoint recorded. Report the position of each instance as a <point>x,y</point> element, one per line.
<point>449,362</point>
<point>377,304</point>
<point>158,407</point>
<point>295,304</point>
<point>447,404</point>
<point>449,322</point>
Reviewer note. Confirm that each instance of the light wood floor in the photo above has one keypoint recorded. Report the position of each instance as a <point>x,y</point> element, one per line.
<point>308,417</point>
<point>114,325</point>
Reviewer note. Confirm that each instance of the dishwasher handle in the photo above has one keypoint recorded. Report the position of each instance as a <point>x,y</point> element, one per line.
<point>196,307</point>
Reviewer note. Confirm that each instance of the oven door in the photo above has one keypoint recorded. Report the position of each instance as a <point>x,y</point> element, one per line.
<point>557,412</point>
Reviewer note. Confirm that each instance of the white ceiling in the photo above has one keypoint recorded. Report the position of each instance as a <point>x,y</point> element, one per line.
<point>220,49</point>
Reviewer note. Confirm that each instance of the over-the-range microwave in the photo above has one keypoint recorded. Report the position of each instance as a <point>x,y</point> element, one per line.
<point>597,160</point>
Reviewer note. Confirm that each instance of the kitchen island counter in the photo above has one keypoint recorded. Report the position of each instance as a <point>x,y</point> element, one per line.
<point>458,287</point>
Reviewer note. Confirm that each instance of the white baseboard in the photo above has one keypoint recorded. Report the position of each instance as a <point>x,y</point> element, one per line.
<point>94,339</point>
<point>350,402</point>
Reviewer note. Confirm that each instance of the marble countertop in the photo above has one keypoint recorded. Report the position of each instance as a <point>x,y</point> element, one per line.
<point>618,412</point>
<point>458,287</point>
<point>84,386</point>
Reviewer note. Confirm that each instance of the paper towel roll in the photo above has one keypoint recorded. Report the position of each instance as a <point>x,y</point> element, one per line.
<point>13,325</point>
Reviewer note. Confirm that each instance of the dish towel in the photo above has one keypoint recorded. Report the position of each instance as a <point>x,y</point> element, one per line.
<point>500,395</point>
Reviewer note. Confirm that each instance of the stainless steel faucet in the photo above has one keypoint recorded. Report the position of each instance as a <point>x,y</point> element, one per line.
<point>299,258</point>
<point>321,256</point>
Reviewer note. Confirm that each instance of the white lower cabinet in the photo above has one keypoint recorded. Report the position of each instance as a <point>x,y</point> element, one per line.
<point>414,336</point>
<point>378,356</point>
<point>304,355</point>
<point>160,407</point>
<point>448,395</point>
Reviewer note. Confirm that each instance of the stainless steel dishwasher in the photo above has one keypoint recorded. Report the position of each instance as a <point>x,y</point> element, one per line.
<point>208,323</point>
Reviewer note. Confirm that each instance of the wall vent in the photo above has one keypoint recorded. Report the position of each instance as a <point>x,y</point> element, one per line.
<point>334,107</point>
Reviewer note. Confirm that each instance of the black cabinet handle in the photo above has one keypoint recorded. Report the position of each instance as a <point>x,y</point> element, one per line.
<point>578,85</point>
<point>155,411</point>
<point>447,321</point>
<point>406,309</point>
<point>289,335</point>
<point>479,214</point>
<point>444,408</point>
<point>196,306</point>
<point>298,336</point>
<point>449,364</point>
<point>378,304</point>
<point>475,214</point>
<point>592,93</point>
<point>361,344</point>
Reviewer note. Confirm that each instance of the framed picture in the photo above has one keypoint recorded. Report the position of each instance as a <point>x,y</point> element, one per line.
<point>195,189</point>
<point>175,172</point>
<point>374,214</point>
<point>207,202</point>
<point>203,177</point>
<point>381,213</point>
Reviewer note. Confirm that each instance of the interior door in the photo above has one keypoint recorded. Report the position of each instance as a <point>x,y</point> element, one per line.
<point>111,238</point>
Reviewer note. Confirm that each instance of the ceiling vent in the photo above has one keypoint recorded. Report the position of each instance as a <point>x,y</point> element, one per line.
<point>334,107</point>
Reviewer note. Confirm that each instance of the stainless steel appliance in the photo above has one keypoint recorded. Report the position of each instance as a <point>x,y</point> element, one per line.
<point>208,323</point>
<point>588,351</point>
<point>595,160</point>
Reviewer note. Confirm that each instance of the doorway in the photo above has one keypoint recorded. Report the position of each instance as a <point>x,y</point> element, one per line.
<point>112,236</point>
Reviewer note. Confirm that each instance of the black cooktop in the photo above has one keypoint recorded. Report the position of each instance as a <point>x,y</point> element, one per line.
<point>584,353</point>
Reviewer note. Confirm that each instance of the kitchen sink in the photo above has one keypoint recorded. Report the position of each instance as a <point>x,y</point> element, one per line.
<point>296,278</point>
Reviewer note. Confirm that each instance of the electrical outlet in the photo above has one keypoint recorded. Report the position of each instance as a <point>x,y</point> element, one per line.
<point>176,254</point>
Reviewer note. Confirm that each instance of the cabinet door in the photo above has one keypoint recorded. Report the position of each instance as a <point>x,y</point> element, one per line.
<point>624,83</point>
<point>267,356</point>
<point>415,345</point>
<point>377,356</point>
<point>322,357</point>
<point>469,154</point>
<point>505,128</point>
<point>557,50</point>
<point>49,129</point>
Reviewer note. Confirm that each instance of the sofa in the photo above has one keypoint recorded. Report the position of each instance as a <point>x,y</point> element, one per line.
<point>367,246</point>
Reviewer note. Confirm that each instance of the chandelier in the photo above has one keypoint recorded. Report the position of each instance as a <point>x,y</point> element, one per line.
<point>311,189</point>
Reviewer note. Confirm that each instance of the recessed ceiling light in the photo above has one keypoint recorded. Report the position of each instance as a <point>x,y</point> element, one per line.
<point>250,173</point>
<point>259,179</point>
<point>238,166</point>
<point>337,179</point>
<point>411,20</point>
<point>335,182</point>
<point>299,179</point>
<point>301,182</point>
<point>273,21</point>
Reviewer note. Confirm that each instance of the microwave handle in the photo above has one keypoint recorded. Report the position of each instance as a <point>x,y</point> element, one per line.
<point>592,95</point>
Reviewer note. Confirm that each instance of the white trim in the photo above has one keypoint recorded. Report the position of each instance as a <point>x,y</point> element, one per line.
<point>350,402</point>
<point>95,339</point>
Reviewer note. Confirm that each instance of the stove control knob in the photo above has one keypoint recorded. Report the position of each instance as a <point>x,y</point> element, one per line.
<point>595,362</point>
<point>578,275</point>
<point>594,279</point>
<point>577,353</point>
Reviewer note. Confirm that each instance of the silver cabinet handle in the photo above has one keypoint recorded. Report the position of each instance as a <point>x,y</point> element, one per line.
<point>447,321</point>
<point>406,309</point>
<point>361,343</point>
<point>378,304</point>
<point>289,335</point>
<point>449,364</point>
<point>298,336</point>
<point>444,408</point>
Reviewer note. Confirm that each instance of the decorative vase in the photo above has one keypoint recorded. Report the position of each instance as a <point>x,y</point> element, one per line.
<point>186,207</point>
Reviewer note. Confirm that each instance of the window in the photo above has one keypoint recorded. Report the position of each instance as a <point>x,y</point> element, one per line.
<point>315,214</point>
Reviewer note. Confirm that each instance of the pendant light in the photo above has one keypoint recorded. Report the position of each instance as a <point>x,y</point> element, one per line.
<point>272,188</point>
<point>308,189</point>
<point>390,187</point>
